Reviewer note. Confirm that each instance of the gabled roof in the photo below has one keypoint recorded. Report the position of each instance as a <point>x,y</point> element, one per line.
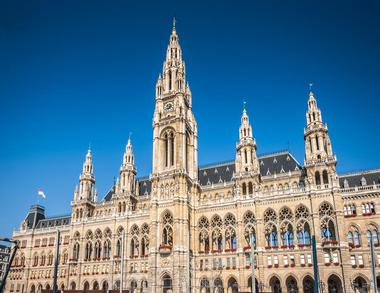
<point>369,177</point>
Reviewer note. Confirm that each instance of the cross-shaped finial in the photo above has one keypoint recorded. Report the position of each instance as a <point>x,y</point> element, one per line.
<point>174,21</point>
<point>244,104</point>
<point>310,86</point>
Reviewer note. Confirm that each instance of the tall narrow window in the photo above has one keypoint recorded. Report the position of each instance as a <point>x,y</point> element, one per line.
<point>316,142</point>
<point>166,141</point>
<point>245,156</point>
<point>171,149</point>
<point>311,145</point>
<point>170,80</point>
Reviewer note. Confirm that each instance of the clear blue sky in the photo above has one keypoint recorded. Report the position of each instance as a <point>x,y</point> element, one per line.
<point>80,72</point>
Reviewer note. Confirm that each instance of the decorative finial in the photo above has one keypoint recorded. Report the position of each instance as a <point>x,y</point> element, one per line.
<point>244,105</point>
<point>129,138</point>
<point>310,86</point>
<point>174,21</point>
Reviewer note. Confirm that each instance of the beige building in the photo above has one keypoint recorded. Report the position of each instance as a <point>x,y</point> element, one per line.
<point>191,229</point>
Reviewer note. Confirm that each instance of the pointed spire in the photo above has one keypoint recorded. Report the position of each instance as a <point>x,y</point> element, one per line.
<point>88,167</point>
<point>245,127</point>
<point>128,157</point>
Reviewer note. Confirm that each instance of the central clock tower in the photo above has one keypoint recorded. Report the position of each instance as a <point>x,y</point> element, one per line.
<point>174,175</point>
<point>175,146</point>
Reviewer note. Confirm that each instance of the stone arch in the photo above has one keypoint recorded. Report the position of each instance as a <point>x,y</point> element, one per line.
<point>95,285</point>
<point>32,288</point>
<point>308,284</point>
<point>274,282</point>
<point>73,285</point>
<point>291,283</point>
<point>232,285</point>
<point>334,284</point>
<point>167,283</point>
<point>86,285</point>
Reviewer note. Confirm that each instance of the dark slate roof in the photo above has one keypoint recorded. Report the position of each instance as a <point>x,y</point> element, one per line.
<point>270,164</point>
<point>35,214</point>
<point>109,194</point>
<point>54,222</point>
<point>145,186</point>
<point>355,179</point>
<point>277,163</point>
<point>216,173</point>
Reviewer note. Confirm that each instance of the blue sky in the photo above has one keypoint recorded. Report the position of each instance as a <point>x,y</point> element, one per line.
<point>80,72</point>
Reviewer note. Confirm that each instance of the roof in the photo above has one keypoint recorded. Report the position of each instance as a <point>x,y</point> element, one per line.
<point>361,178</point>
<point>145,186</point>
<point>270,164</point>
<point>54,222</point>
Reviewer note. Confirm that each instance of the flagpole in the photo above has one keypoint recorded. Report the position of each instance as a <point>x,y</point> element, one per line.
<point>373,265</point>
<point>56,262</point>
<point>121,262</point>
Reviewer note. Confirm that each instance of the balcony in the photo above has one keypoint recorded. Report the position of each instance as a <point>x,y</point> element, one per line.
<point>165,249</point>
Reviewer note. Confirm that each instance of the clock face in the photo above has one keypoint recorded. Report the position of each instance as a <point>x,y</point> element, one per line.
<point>168,106</point>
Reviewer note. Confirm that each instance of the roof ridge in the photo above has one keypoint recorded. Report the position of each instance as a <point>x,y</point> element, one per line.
<point>55,217</point>
<point>270,154</point>
<point>359,172</point>
<point>216,164</point>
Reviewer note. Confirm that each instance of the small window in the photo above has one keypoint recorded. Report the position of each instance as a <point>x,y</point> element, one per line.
<point>269,260</point>
<point>360,260</point>
<point>286,261</point>
<point>353,260</point>
<point>302,259</point>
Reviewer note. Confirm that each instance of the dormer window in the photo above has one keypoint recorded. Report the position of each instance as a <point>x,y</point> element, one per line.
<point>363,181</point>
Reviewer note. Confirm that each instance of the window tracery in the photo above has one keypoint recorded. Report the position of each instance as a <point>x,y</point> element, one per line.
<point>270,216</point>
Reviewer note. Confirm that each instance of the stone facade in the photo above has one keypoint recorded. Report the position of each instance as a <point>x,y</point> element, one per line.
<point>191,229</point>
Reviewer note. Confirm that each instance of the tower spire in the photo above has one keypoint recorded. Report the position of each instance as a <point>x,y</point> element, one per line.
<point>87,179</point>
<point>319,158</point>
<point>246,157</point>
<point>127,169</point>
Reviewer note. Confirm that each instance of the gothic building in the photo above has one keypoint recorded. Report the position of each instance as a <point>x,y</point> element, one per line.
<point>187,228</point>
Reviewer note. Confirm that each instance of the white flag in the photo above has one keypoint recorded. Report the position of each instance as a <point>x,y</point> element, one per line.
<point>41,193</point>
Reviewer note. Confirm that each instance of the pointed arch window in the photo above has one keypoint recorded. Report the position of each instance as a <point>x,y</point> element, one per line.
<point>317,178</point>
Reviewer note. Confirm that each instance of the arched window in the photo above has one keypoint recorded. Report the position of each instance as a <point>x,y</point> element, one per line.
<point>244,188</point>
<point>233,286</point>
<point>249,229</point>
<point>204,244</point>
<point>88,251</point>
<point>76,251</point>
<point>308,285</point>
<point>372,231</point>
<point>271,235</point>
<point>325,177</point>
<point>218,285</point>
<point>73,286</point>
<point>303,233</point>
<point>317,178</point>
<point>118,248</point>
<point>291,285</point>
<point>98,250</point>
<point>250,188</point>
<point>134,247</point>
<point>205,286</point>
<point>95,286</point>
<point>167,230</point>
<point>167,284</point>
<point>107,249</point>
<point>105,286</point>
<point>287,234</point>
<point>133,286</point>
<point>350,238</point>
<point>230,237</point>
<point>86,286</point>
